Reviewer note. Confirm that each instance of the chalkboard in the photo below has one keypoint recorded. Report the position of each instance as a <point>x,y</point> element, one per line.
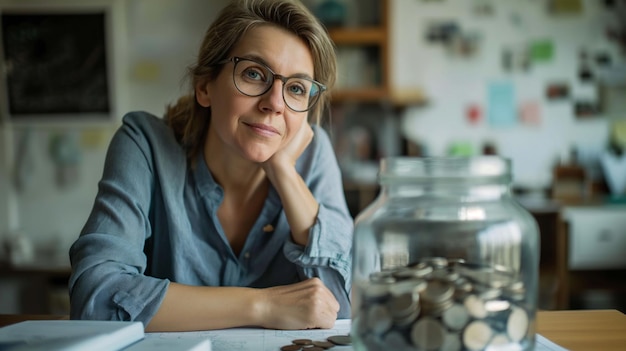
<point>56,64</point>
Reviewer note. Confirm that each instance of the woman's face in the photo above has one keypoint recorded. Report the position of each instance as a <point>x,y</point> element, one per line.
<point>256,127</point>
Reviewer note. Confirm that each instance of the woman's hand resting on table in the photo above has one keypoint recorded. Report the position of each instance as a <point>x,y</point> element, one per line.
<point>304,305</point>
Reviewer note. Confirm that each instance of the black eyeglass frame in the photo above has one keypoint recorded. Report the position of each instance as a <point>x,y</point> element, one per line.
<point>236,59</point>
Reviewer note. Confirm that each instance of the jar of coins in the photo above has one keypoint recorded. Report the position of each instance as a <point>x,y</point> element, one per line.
<point>445,259</point>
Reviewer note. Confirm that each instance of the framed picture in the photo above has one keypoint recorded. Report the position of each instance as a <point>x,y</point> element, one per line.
<point>56,64</point>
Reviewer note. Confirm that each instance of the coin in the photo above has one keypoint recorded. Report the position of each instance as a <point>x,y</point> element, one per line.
<point>497,305</point>
<point>408,286</point>
<point>340,339</point>
<point>382,277</point>
<point>395,341</point>
<point>455,317</point>
<point>475,306</point>
<point>431,306</point>
<point>517,324</point>
<point>403,305</point>
<point>377,292</point>
<point>421,269</point>
<point>499,341</point>
<point>291,347</point>
<point>302,341</point>
<point>451,342</point>
<point>323,344</point>
<point>436,262</point>
<point>378,319</point>
<point>427,334</point>
<point>477,335</point>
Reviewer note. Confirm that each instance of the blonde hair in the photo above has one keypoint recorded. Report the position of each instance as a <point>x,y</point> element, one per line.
<point>188,119</point>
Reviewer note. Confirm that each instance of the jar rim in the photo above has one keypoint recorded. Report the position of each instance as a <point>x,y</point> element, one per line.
<point>449,168</point>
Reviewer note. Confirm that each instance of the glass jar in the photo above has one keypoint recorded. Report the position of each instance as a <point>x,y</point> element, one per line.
<point>445,259</point>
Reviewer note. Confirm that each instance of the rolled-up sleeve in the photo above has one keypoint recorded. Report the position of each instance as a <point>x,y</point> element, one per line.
<point>328,253</point>
<point>108,261</point>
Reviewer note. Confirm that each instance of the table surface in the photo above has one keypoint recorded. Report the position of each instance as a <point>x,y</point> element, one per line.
<point>580,330</point>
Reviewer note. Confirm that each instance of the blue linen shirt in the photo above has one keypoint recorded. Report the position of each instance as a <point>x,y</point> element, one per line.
<point>154,221</point>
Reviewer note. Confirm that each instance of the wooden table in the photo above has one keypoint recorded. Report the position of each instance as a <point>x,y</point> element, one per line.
<point>593,330</point>
<point>584,330</point>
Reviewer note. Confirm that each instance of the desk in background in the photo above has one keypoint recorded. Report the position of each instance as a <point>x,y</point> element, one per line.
<point>590,330</point>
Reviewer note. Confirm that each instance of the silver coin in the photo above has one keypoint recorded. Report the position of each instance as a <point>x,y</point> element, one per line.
<point>408,320</point>
<point>477,335</point>
<point>405,273</point>
<point>490,294</point>
<point>428,334</point>
<point>395,341</point>
<point>437,292</point>
<point>475,306</point>
<point>495,306</point>
<point>340,339</point>
<point>376,292</point>
<point>421,269</point>
<point>455,261</point>
<point>496,277</point>
<point>408,286</point>
<point>383,277</point>
<point>436,262</point>
<point>378,319</point>
<point>517,325</point>
<point>455,317</point>
<point>403,305</point>
<point>452,342</point>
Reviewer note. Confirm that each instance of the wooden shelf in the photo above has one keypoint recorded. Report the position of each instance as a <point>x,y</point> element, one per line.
<point>375,41</point>
<point>371,94</point>
<point>399,98</point>
<point>359,36</point>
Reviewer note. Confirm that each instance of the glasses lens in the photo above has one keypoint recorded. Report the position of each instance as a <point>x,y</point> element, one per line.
<point>254,79</point>
<point>300,93</point>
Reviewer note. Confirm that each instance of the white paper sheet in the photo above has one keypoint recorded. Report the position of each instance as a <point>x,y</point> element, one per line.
<point>253,339</point>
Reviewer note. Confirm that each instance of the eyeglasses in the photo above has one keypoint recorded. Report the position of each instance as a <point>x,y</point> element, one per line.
<point>253,78</point>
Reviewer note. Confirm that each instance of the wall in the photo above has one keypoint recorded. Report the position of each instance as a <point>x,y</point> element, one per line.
<point>153,41</point>
<point>453,82</point>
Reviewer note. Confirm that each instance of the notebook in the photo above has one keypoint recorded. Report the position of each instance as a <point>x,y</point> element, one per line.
<point>70,335</point>
<point>75,335</point>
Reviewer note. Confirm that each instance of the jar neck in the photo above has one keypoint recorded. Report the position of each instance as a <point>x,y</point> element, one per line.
<point>480,178</point>
<point>473,192</point>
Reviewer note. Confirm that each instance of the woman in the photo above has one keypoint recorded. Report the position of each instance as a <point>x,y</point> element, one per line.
<point>230,210</point>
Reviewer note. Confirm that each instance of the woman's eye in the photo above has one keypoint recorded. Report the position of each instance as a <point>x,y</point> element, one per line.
<point>297,89</point>
<point>253,74</point>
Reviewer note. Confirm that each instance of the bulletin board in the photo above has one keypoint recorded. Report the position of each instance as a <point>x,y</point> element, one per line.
<point>56,66</point>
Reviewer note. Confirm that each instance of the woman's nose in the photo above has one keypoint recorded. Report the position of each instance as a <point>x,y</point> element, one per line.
<point>273,100</point>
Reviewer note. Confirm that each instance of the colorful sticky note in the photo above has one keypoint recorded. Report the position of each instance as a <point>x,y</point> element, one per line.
<point>501,100</point>
<point>541,50</point>
<point>530,113</point>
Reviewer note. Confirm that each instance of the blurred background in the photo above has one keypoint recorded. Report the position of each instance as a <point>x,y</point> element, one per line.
<point>542,82</point>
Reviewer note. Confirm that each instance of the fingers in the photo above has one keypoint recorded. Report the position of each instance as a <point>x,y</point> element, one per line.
<point>305,305</point>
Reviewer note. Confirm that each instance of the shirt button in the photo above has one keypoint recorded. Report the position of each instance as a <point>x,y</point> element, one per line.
<point>247,254</point>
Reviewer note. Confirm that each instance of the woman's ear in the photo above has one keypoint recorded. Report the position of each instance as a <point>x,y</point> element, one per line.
<point>202,94</point>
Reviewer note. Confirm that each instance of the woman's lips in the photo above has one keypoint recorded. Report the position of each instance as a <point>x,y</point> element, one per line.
<point>263,129</point>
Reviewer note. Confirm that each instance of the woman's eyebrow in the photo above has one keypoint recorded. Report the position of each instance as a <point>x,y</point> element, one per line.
<point>262,60</point>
